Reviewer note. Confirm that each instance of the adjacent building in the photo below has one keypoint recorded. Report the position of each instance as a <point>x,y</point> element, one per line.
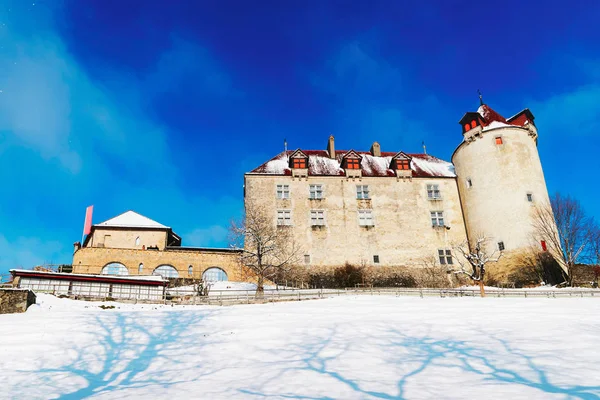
<point>131,244</point>
<point>395,208</point>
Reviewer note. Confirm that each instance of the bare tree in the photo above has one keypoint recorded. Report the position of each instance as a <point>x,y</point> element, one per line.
<point>476,259</point>
<point>565,231</point>
<point>268,249</point>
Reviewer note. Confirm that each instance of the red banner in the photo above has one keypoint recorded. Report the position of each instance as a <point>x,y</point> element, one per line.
<point>87,227</point>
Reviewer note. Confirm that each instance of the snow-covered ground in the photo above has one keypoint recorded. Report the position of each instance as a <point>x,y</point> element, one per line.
<point>351,347</point>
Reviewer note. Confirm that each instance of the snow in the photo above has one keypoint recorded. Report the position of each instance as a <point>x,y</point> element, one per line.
<point>277,166</point>
<point>497,124</point>
<point>320,165</point>
<point>133,220</point>
<point>352,347</point>
<point>434,166</point>
<point>375,166</point>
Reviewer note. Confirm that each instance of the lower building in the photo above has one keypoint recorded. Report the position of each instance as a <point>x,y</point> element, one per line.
<point>131,244</point>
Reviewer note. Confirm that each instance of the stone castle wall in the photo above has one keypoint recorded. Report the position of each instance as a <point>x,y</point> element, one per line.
<point>496,205</point>
<point>402,234</point>
<point>126,238</point>
<point>91,260</point>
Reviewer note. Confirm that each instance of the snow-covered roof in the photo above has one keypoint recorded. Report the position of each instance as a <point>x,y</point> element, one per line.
<point>50,274</point>
<point>320,164</point>
<point>491,117</point>
<point>131,219</point>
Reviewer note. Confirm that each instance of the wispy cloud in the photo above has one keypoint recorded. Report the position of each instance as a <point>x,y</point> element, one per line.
<point>374,99</point>
<point>215,235</point>
<point>28,252</point>
<point>75,141</point>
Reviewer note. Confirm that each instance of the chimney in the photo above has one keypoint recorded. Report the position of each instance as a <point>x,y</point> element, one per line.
<point>376,150</point>
<point>331,147</point>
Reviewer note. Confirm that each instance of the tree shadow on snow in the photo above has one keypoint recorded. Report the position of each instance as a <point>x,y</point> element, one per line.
<point>417,355</point>
<point>134,352</point>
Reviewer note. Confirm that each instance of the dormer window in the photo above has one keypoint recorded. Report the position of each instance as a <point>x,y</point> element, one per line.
<point>403,164</point>
<point>299,163</point>
<point>352,163</point>
<point>470,121</point>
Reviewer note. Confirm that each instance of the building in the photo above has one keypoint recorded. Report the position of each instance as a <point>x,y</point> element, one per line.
<point>91,286</point>
<point>131,244</point>
<point>396,208</point>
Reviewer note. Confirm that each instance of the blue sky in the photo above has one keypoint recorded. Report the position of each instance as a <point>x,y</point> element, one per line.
<point>160,107</point>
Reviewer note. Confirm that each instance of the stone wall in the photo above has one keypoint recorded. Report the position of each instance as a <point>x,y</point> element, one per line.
<point>402,233</point>
<point>91,260</point>
<point>126,238</point>
<point>15,300</point>
<point>496,204</point>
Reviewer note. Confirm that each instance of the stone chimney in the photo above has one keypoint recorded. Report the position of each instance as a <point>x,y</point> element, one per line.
<point>331,147</point>
<point>376,150</point>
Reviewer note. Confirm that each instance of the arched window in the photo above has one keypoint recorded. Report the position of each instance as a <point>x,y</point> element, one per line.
<point>467,127</point>
<point>141,268</point>
<point>115,268</point>
<point>137,241</point>
<point>166,271</point>
<point>214,274</point>
<point>190,270</point>
<point>473,124</point>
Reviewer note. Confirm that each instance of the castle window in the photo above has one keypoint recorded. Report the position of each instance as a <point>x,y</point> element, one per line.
<point>544,246</point>
<point>499,140</point>
<point>530,197</point>
<point>299,163</point>
<point>307,259</point>
<point>375,259</point>
<point>473,124</point>
<point>316,191</point>
<point>283,191</point>
<point>445,256</point>
<point>137,241</point>
<point>352,163</point>
<point>214,274</point>
<point>114,268</point>
<point>166,271</point>
<point>362,192</point>
<point>467,127</point>
<point>141,268</point>
<point>317,217</point>
<point>469,183</point>
<point>190,270</point>
<point>437,218</point>
<point>284,217</point>
<point>433,192</point>
<point>403,164</point>
<point>501,246</point>
<point>365,218</point>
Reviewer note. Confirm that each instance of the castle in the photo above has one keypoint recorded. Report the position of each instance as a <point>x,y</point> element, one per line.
<point>364,208</point>
<point>396,208</point>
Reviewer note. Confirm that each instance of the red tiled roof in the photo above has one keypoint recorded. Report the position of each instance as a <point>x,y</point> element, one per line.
<point>319,164</point>
<point>490,116</point>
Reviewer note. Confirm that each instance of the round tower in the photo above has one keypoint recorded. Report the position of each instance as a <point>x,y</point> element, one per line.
<point>500,177</point>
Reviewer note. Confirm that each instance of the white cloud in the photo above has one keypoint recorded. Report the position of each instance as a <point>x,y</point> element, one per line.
<point>28,252</point>
<point>215,235</point>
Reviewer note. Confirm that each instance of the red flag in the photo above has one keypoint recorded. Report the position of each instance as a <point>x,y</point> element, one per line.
<point>87,227</point>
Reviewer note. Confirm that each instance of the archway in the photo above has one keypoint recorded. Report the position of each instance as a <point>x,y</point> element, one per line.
<point>214,274</point>
<point>166,271</point>
<point>115,268</point>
